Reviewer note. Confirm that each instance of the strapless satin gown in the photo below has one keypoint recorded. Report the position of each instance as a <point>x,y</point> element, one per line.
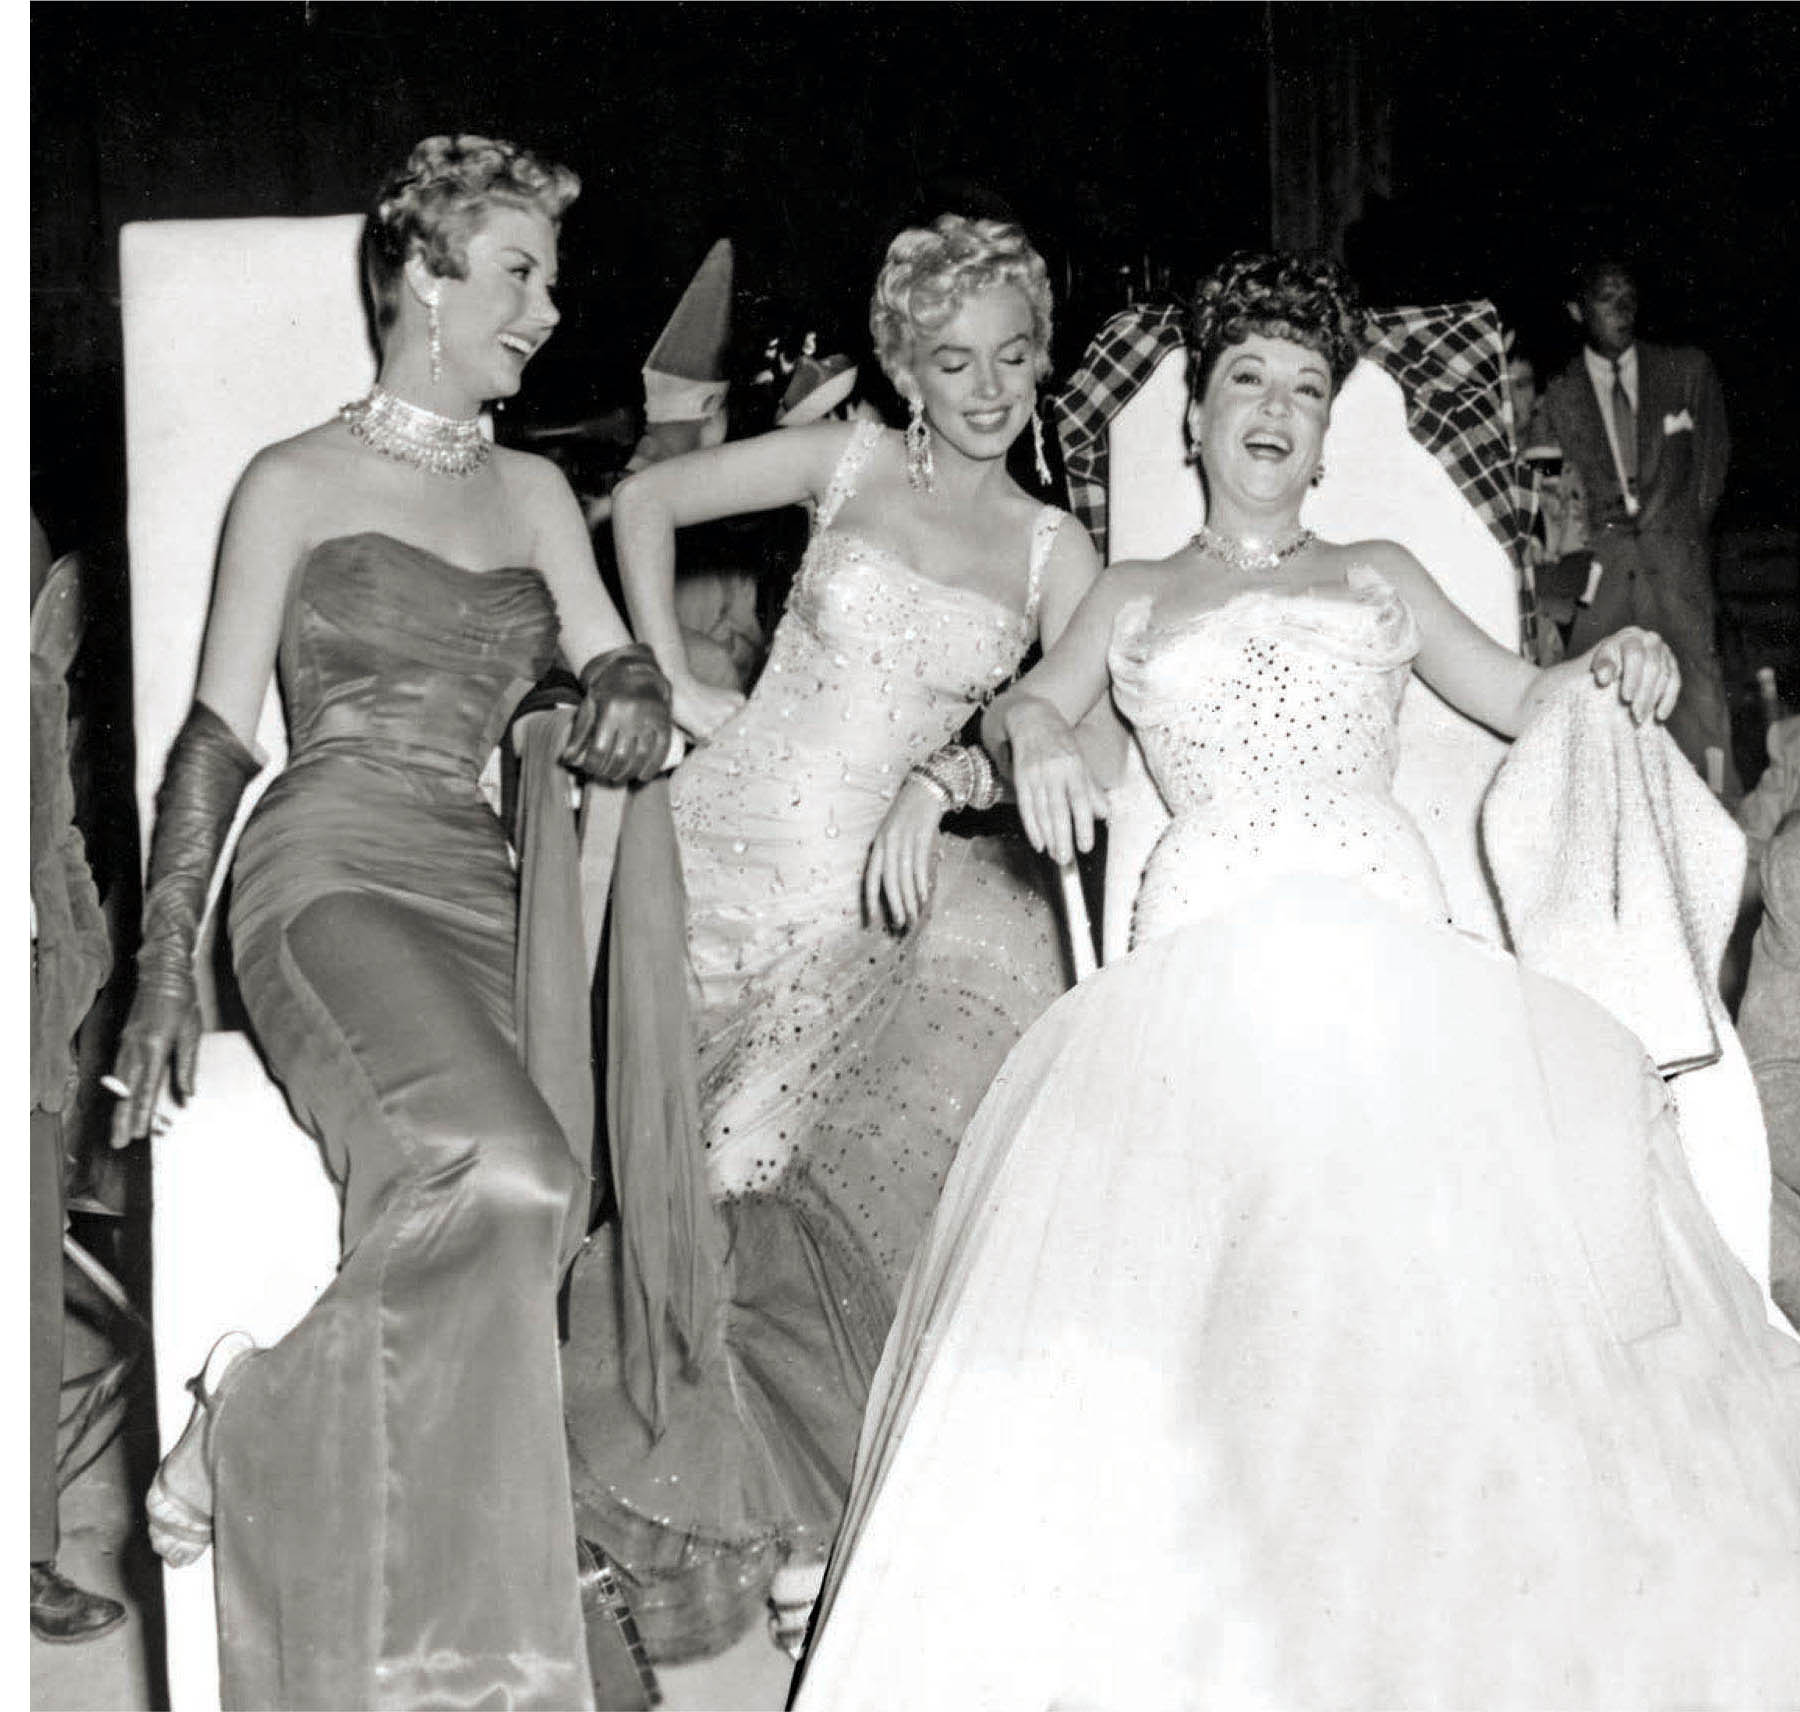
<point>839,1064</point>
<point>1257,1355</point>
<point>393,1524</point>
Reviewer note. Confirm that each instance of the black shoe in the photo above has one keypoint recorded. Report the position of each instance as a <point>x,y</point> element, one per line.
<point>63,1613</point>
<point>624,1679</point>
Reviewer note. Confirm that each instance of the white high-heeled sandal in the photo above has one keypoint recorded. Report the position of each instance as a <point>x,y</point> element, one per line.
<point>180,1531</point>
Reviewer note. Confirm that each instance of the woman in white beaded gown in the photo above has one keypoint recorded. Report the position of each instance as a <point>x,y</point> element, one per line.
<point>841,1054</point>
<point>1255,1357</point>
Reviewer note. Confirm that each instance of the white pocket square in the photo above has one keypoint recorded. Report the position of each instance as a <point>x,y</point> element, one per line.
<point>1679,423</point>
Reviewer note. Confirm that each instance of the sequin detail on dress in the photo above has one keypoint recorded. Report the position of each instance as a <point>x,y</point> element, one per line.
<point>839,1065</point>
<point>1282,760</point>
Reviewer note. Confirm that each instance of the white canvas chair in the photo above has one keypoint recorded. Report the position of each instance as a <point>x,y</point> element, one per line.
<point>236,333</point>
<point>1379,482</point>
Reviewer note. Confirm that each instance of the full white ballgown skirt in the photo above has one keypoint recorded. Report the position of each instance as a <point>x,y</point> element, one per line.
<point>1272,1348</point>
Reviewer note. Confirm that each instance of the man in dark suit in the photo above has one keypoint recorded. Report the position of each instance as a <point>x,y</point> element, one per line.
<point>1644,426</point>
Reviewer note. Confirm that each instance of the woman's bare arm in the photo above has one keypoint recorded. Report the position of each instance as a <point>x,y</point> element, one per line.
<point>563,552</point>
<point>1073,569</point>
<point>259,552</point>
<point>775,469</point>
<point>1500,689</point>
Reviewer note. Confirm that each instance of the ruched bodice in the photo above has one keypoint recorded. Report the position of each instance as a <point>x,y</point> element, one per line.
<point>399,670</point>
<point>1270,727</point>
<point>390,648</point>
<point>872,667</point>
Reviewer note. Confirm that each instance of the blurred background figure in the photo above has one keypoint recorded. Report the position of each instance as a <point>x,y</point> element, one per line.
<point>1644,425</point>
<point>69,962</point>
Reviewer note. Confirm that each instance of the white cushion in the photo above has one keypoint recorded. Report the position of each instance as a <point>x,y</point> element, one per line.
<point>237,333</point>
<point>244,1230</point>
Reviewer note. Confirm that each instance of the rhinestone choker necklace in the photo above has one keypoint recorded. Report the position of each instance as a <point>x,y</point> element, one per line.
<point>1242,556</point>
<point>411,434</point>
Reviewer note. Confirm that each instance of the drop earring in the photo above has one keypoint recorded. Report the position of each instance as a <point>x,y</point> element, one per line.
<point>1037,447</point>
<point>1318,474</point>
<point>919,472</point>
<point>437,334</point>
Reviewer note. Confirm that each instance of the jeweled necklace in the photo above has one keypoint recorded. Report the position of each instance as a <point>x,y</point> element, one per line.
<point>1242,556</point>
<point>411,434</point>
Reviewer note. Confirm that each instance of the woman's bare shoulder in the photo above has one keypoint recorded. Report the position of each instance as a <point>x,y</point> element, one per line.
<point>289,476</point>
<point>1143,576</point>
<point>1387,558</point>
<point>315,454</point>
<point>530,475</point>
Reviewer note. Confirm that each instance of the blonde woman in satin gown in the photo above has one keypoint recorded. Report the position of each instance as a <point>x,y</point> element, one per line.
<point>1255,1356</point>
<point>386,1489</point>
<point>854,999</point>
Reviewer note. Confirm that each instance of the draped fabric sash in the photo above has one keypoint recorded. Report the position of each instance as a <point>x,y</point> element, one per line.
<point>672,1242</point>
<point>551,1004</point>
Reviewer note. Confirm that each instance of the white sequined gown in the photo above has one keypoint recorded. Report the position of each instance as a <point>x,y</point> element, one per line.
<point>1269,1346</point>
<point>839,1066</point>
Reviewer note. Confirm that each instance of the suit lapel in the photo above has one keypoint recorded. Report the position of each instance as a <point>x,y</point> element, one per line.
<point>1596,454</point>
<point>1653,404</point>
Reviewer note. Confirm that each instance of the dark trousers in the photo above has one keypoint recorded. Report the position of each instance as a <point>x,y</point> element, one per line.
<point>46,1325</point>
<point>1664,583</point>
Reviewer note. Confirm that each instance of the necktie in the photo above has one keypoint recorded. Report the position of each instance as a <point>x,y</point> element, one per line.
<point>1625,427</point>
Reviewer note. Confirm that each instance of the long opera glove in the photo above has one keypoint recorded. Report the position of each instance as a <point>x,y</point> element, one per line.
<point>207,772</point>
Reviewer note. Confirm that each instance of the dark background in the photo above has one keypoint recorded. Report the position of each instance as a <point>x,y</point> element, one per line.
<point>1446,151</point>
<point>1510,138</point>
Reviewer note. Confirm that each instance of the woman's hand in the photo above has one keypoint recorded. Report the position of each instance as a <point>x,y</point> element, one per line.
<point>700,709</point>
<point>621,729</point>
<point>161,1037</point>
<point>1643,667</point>
<point>1058,798</point>
<point>901,858</point>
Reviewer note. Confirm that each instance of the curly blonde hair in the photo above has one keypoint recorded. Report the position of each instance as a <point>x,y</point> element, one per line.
<point>1308,299</point>
<point>438,198</point>
<point>931,270</point>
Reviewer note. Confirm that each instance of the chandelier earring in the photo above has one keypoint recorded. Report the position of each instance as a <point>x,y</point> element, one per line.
<point>436,329</point>
<point>919,471</point>
<point>1037,447</point>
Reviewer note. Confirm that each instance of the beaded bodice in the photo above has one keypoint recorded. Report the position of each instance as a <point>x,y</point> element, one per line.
<point>872,667</point>
<point>1269,726</point>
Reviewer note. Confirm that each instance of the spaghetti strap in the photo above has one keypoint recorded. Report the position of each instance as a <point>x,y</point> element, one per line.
<point>1043,535</point>
<point>849,465</point>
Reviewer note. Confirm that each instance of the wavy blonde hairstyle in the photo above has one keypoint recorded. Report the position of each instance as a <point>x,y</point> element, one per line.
<point>437,200</point>
<point>931,270</point>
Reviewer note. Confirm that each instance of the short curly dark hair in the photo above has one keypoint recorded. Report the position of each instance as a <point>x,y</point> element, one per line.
<point>1308,299</point>
<point>435,201</point>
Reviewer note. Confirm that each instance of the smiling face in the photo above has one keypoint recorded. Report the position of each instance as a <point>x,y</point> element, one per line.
<point>977,372</point>
<point>495,319</point>
<point>1262,420</point>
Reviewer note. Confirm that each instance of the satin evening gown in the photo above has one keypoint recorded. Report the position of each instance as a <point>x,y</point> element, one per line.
<point>839,1064</point>
<point>1258,1354</point>
<point>392,1513</point>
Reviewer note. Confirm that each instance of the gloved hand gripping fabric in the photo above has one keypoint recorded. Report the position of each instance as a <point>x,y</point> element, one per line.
<point>623,726</point>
